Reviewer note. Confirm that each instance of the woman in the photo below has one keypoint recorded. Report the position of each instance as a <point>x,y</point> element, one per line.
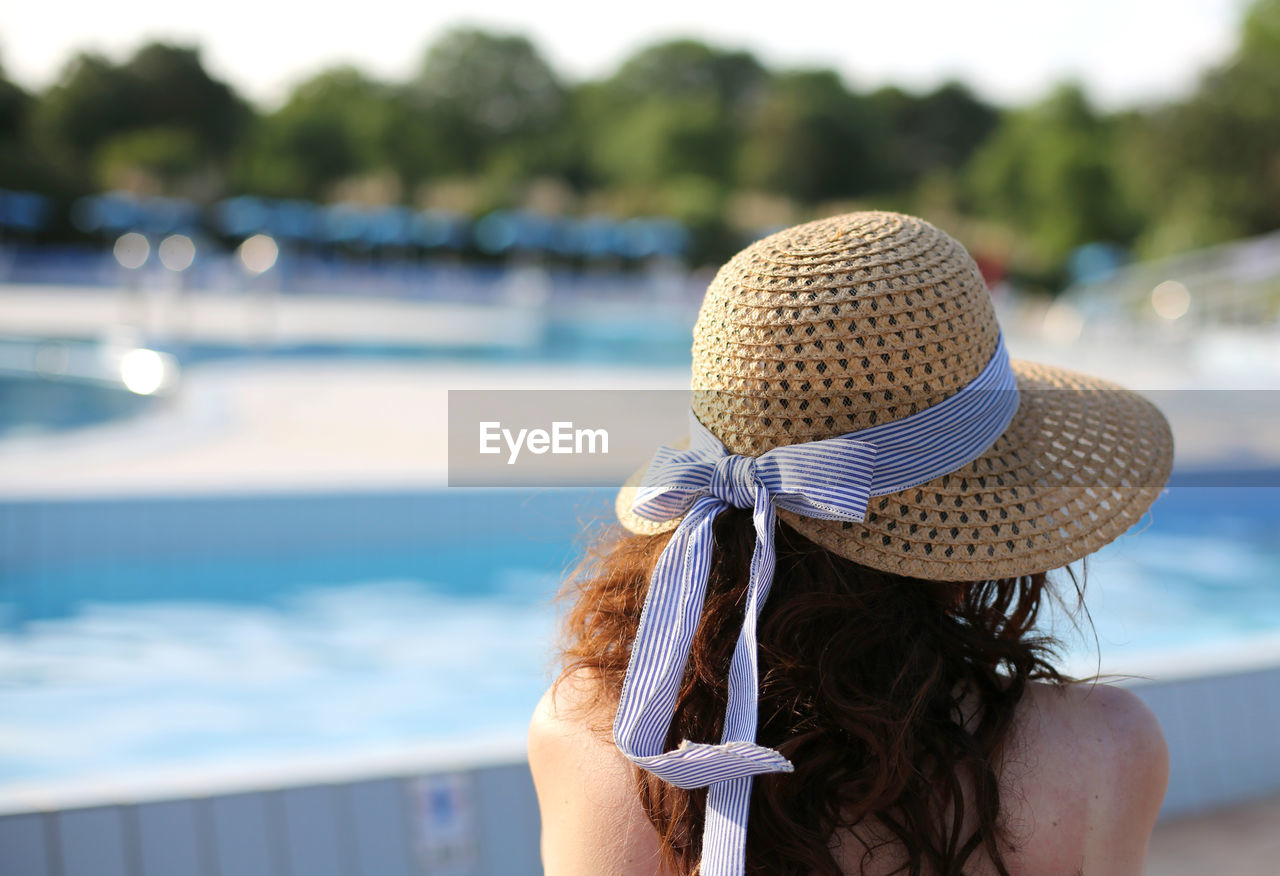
<point>814,650</point>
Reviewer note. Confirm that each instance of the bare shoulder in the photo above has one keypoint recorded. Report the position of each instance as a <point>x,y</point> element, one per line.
<point>1104,725</point>
<point>563,719</point>
<point>1091,761</point>
<point>567,736</point>
<point>592,821</point>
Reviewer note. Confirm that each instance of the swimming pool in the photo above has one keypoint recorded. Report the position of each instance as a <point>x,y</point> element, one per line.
<point>165,633</point>
<point>52,385</point>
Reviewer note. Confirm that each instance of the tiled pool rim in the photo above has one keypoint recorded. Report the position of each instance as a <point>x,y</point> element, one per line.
<point>314,822</point>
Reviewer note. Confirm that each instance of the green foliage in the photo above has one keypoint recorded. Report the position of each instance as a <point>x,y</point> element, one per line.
<point>166,154</point>
<point>688,68</point>
<point>1047,170</point>
<point>1208,169</point>
<point>934,134</point>
<point>334,125</point>
<point>171,87</point>
<point>810,139</point>
<point>161,85</point>
<point>18,161</point>
<point>692,199</point>
<point>15,108</point>
<point>23,163</point>
<point>490,98</point>
<point>656,140</point>
<point>672,109</point>
<point>679,127</point>
<point>1260,34</point>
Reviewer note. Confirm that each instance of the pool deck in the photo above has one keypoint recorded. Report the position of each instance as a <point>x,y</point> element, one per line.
<point>291,424</point>
<point>1242,840</point>
<point>301,424</point>
<point>283,425</point>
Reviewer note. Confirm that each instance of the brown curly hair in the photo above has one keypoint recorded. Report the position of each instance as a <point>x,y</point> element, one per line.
<point>864,680</point>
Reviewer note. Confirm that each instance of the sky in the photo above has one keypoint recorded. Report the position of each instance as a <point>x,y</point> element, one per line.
<point>1125,52</point>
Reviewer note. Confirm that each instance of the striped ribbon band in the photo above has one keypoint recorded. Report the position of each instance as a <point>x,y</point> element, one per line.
<point>832,479</point>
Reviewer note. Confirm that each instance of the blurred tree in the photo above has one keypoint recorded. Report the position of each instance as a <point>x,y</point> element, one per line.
<point>415,142</point>
<point>173,88</point>
<point>161,86</point>
<point>23,164</point>
<point>1260,33</point>
<point>658,140</point>
<point>15,108</point>
<point>492,100</point>
<point>680,127</point>
<point>15,156</point>
<point>1048,170</point>
<point>688,68</point>
<point>809,138</point>
<point>1208,169</point>
<point>167,157</point>
<point>673,109</point>
<point>91,102</point>
<point>333,126</point>
<point>936,131</point>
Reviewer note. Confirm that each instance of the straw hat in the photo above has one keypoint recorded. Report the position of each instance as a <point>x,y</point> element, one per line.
<point>837,325</point>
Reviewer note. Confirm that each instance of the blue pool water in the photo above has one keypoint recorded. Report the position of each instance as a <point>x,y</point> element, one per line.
<point>172,633</point>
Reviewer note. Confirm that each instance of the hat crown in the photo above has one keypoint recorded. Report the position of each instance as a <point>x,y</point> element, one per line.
<point>837,325</point>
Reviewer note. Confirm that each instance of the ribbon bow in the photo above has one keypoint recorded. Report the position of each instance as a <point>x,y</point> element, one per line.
<point>831,479</point>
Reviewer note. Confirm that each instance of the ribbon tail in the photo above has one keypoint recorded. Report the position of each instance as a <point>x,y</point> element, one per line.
<point>724,834</point>
<point>724,837</point>
<point>668,621</point>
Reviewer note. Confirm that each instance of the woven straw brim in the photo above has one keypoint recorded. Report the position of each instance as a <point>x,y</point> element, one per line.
<point>1080,463</point>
